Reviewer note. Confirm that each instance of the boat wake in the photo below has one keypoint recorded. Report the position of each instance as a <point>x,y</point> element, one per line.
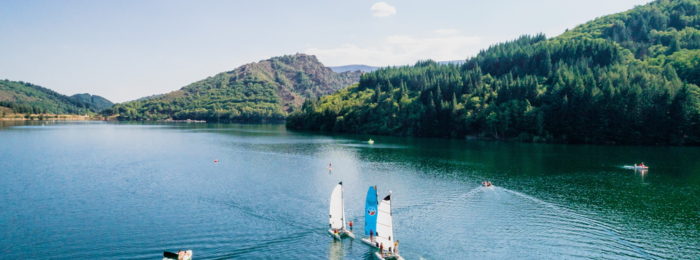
<point>502,223</point>
<point>577,224</point>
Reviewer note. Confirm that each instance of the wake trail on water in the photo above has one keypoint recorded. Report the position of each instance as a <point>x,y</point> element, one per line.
<point>265,244</point>
<point>579,224</point>
<point>432,205</point>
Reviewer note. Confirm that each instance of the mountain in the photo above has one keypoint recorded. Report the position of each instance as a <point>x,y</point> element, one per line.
<point>94,101</point>
<point>23,97</point>
<point>355,67</point>
<point>627,78</point>
<point>262,91</point>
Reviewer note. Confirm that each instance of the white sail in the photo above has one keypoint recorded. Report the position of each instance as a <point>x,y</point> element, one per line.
<point>336,216</point>
<point>385,230</point>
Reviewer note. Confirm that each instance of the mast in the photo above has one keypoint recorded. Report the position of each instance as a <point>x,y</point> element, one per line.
<point>342,204</point>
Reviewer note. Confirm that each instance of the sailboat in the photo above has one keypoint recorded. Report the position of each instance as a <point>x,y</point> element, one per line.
<point>336,214</point>
<point>380,223</point>
<point>370,215</point>
<point>385,231</point>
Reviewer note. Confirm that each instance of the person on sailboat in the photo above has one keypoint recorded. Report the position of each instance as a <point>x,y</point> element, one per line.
<point>371,236</point>
<point>350,225</point>
<point>396,247</point>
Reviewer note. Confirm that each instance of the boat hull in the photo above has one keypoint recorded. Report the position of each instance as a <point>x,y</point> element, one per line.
<point>341,234</point>
<point>368,242</point>
<point>387,257</point>
<point>636,167</point>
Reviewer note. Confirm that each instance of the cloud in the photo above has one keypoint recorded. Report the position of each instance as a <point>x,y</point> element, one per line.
<point>382,9</point>
<point>446,31</point>
<point>402,50</point>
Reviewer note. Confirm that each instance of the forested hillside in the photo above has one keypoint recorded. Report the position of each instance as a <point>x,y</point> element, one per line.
<point>257,92</point>
<point>627,78</point>
<point>22,97</point>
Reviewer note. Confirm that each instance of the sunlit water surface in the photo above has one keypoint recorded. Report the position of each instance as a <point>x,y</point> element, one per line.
<point>130,191</point>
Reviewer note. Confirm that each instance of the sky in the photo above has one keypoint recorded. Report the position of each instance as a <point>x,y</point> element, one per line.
<point>124,50</point>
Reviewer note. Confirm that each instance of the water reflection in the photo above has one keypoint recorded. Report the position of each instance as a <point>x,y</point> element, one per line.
<point>335,250</point>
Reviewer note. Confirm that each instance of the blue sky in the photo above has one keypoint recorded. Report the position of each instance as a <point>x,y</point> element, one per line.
<point>124,50</point>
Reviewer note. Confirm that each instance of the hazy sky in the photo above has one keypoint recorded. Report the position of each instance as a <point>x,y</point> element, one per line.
<point>124,50</point>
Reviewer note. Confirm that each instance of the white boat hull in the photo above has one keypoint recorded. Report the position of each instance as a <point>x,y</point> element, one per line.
<point>387,257</point>
<point>368,242</point>
<point>636,167</point>
<point>341,234</point>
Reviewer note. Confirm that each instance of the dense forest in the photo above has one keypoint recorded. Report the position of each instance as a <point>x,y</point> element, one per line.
<point>257,92</point>
<point>627,78</point>
<point>26,98</point>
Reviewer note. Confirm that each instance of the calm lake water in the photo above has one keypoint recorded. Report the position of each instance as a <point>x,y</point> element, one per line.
<point>129,191</point>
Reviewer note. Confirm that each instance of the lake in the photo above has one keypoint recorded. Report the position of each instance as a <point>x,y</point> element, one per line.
<point>87,190</point>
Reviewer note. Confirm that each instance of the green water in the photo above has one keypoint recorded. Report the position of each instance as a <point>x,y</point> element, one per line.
<point>103,190</point>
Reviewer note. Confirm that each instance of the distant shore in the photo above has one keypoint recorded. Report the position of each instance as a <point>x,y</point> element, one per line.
<point>49,117</point>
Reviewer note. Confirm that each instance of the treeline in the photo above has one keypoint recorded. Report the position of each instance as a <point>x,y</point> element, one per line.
<point>27,98</point>
<point>590,85</point>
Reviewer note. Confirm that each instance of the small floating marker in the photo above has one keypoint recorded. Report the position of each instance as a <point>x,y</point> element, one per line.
<point>216,161</point>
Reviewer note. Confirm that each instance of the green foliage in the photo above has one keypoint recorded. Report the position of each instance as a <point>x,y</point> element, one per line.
<point>95,102</point>
<point>626,78</point>
<point>27,98</point>
<point>258,92</point>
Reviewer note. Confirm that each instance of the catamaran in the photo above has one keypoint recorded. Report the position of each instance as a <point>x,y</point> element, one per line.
<point>379,226</point>
<point>336,214</point>
<point>370,215</point>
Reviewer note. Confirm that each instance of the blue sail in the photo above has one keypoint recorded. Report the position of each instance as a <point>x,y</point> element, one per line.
<point>371,211</point>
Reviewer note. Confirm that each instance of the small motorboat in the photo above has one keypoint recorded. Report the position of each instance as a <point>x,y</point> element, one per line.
<point>640,166</point>
<point>370,141</point>
<point>180,255</point>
